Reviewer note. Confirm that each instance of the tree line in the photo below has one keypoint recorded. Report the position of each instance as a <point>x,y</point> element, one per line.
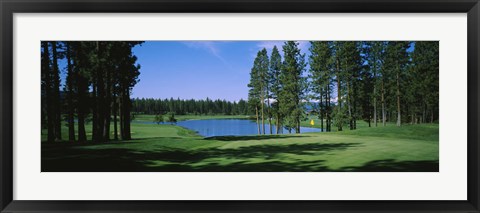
<point>99,77</point>
<point>374,81</point>
<point>189,106</point>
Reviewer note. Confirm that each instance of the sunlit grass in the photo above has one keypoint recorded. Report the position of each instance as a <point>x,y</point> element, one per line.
<point>168,147</point>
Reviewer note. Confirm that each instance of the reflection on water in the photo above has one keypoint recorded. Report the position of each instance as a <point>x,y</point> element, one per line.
<point>219,127</point>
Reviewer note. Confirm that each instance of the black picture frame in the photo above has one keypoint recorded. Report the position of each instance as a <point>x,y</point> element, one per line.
<point>9,7</point>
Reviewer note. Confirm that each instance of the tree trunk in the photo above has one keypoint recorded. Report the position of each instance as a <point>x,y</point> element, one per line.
<point>82,89</point>
<point>263,119</point>
<point>82,135</point>
<point>277,124</point>
<point>122,130</point>
<point>48,93</point>
<point>412,118</point>
<point>297,124</point>
<point>329,119</point>
<point>126,116</point>
<point>94,111</point>
<point>349,106</point>
<point>354,117</point>
<point>375,94</point>
<point>108,106</point>
<point>384,116</point>
<point>399,118</point>
<point>269,113</point>
<point>321,111</point>
<point>339,96</point>
<point>100,97</point>
<point>375,112</point>
<point>258,122</point>
<point>71,108</point>
<point>423,113</point>
<point>56,93</point>
<point>431,118</point>
<point>115,111</point>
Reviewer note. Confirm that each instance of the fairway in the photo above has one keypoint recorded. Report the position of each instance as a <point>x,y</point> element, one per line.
<point>294,106</point>
<point>169,148</point>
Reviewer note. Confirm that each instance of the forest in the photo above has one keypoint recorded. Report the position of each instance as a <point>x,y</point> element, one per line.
<point>99,78</point>
<point>342,82</point>
<point>151,106</point>
<point>373,81</point>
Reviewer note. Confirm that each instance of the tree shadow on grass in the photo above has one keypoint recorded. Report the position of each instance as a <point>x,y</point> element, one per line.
<point>63,144</point>
<point>271,151</point>
<point>271,166</point>
<point>391,165</point>
<point>79,159</point>
<point>266,158</point>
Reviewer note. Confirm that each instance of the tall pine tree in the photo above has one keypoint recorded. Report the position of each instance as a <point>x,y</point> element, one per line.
<point>293,85</point>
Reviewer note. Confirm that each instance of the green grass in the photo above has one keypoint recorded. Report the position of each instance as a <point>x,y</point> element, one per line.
<point>169,148</point>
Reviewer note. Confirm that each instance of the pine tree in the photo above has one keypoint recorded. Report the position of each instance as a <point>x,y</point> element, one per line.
<point>70,93</point>
<point>365,95</point>
<point>339,113</point>
<point>396,62</point>
<point>374,55</point>
<point>425,68</point>
<point>263,67</point>
<point>254,93</point>
<point>350,62</point>
<point>293,85</point>
<point>128,77</point>
<point>47,84</point>
<point>275,85</point>
<point>104,74</point>
<point>321,65</point>
<point>56,93</point>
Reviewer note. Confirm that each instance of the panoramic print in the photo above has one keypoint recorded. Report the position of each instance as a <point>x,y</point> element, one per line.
<point>239,106</point>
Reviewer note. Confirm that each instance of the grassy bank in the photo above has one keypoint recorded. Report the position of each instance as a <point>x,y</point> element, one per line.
<point>303,123</point>
<point>172,148</point>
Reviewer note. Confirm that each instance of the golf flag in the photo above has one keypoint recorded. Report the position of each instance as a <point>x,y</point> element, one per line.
<point>312,122</point>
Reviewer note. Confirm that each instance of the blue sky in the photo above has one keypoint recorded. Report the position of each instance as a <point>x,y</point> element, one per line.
<point>198,69</point>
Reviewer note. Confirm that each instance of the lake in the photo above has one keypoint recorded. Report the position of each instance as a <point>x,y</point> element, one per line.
<point>222,127</point>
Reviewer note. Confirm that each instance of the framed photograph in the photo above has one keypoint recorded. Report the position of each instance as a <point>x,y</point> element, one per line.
<point>252,106</point>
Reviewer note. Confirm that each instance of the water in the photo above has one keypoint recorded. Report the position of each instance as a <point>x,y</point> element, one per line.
<point>222,127</point>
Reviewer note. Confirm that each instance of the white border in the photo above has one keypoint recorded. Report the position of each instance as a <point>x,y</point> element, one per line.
<point>449,184</point>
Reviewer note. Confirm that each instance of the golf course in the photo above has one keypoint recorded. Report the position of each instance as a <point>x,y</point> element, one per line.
<point>170,148</point>
<point>240,106</point>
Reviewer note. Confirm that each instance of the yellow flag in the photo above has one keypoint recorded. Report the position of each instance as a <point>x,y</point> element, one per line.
<point>312,122</point>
